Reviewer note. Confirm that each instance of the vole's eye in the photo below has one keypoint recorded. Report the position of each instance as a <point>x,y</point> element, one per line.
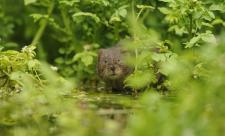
<point>105,61</point>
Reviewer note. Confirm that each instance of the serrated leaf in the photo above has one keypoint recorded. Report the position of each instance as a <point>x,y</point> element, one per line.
<point>32,64</point>
<point>211,14</point>
<point>38,17</point>
<point>192,42</point>
<point>208,37</point>
<point>178,30</point>
<point>158,57</point>
<point>207,24</point>
<point>86,14</point>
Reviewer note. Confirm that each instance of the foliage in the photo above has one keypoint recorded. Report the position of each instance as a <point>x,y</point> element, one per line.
<point>196,110</point>
<point>12,65</point>
<point>179,40</point>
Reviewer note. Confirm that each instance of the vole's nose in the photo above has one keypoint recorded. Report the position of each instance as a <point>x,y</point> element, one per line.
<point>112,68</point>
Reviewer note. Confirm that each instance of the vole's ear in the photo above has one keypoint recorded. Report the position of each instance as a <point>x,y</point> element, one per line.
<point>124,50</point>
<point>100,53</point>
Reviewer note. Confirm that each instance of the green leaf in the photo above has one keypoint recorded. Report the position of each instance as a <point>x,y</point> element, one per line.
<point>38,17</point>
<point>87,60</point>
<point>178,30</point>
<point>145,7</point>
<point>86,14</point>
<point>207,24</point>
<point>192,42</point>
<point>118,14</point>
<point>85,57</point>
<point>159,57</point>
<point>69,3</point>
<point>11,45</point>
<point>114,19</point>
<point>101,2</point>
<point>27,2</point>
<point>208,37</point>
<point>123,12</point>
<point>164,10</point>
<point>218,21</point>
<point>139,79</point>
<point>217,7</point>
<point>211,14</point>
<point>59,60</point>
<point>1,48</point>
<point>77,57</point>
<point>16,75</point>
<point>32,64</point>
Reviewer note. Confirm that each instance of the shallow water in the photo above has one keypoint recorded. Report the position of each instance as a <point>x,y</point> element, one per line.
<point>97,100</point>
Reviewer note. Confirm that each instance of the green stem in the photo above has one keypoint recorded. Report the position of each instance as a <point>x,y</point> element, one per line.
<point>69,30</point>
<point>66,22</point>
<point>136,58</point>
<point>139,13</point>
<point>68,27</point>
<point>145,14</point>
<point>134,35</point>
<point>43,25</point>
<point>191,26</point>
<point>191,33</point>
<point>132,7</point>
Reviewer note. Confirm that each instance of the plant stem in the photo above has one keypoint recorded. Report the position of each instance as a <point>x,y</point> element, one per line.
<point>191,26</point>
<point>42,27</point>
<point>136,58</point>
<point>139,14</point>
<point>145,14</point>
<point>66,22</point>
<point>134,35</point>
<point>132,7</point>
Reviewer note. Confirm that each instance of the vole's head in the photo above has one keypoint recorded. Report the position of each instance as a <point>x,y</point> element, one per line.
<point>110,65</point>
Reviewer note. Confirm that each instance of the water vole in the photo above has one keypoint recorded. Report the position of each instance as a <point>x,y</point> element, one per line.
<point>111,67</point>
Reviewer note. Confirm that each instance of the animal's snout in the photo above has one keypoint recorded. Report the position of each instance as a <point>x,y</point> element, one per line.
<point>112,68</point>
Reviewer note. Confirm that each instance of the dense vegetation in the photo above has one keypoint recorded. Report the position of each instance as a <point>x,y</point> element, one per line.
<point>48,79</point>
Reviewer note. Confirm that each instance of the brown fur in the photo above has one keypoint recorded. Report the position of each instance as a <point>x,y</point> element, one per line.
<point>111,68</point>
